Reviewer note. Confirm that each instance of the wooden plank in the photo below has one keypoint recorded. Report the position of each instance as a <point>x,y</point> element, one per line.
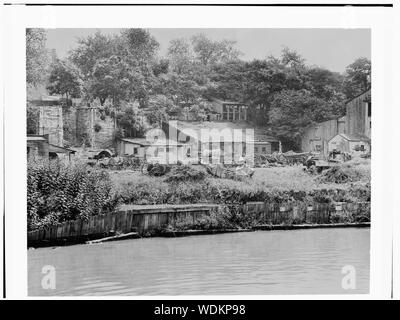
<point>130,235</point>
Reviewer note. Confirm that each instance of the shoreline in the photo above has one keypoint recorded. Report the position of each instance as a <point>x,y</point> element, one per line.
<point>194,232</point>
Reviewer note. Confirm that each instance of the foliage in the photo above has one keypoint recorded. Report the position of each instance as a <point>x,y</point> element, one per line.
<point>351,171</point>
<point>32,119</point>
<point>64,80</point>
<point>210,52</point>
<point>130,121</point>
<point>284,93</point>
<point>110,79</point>
<point>357,77</point>
<point>278,185</point>
<point>36,56</point>
<point>60,192</point>
<point>92,49</point>
<point>294,110</point>
<point>185,173</point>
<point>118,67</point>
<point>158,170</point>
<point>97,127</point>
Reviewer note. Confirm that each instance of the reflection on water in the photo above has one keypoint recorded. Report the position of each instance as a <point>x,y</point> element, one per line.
<point>262,262</point>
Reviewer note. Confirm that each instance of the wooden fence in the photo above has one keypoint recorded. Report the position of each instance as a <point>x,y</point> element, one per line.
<point>145,219</point>
<point>295,213</point>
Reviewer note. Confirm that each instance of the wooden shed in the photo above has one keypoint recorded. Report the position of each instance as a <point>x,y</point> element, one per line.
<point>352,144</point>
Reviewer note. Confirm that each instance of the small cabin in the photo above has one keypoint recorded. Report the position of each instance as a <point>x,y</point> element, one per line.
<point>353,144</point>
<point>38,146</point>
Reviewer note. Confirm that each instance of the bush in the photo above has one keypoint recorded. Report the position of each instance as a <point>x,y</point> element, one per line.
<point>157,169</point>
<point>185,173</point>
<point>59,192</point>
<point>97,127</point>
<point>222,217</point>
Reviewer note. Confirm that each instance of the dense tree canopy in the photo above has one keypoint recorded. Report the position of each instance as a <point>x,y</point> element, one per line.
<point>36,56</point>
<point>357,77</point>
<point>125,69</point>
<point>64,80</point>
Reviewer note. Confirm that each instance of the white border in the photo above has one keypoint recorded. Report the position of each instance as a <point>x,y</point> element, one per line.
<point>380,20</point>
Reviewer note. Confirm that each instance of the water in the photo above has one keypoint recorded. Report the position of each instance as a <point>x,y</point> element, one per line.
<point>262,262</point>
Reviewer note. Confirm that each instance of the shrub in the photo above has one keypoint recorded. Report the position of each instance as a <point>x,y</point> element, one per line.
<point>60,192</point>
<point>157,169</point>
<point>185,173</point>
<point>97,127</point>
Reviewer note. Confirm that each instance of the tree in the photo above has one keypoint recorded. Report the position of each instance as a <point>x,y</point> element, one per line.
<point>111,78</point>
<point>32,119</point>
<point>180,55</point>
<point>210,52</point>
<point>357,77</point>
<point>64,80</point>
<point>90,50</point>
<point>130,121</point>
<point>36,56</point>
<point>292,111</point>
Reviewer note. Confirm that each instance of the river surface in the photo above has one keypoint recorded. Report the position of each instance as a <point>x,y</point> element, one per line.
<point>261,262</point>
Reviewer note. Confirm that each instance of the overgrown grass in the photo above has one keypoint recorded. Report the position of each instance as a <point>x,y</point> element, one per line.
<point>60,192</point>
<point>279,184</point>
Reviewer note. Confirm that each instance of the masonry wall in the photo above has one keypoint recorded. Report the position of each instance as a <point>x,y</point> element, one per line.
<point>75,126</point>
<point>51,123</point>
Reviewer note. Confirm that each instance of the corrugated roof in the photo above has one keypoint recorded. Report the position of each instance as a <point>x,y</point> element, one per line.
<point>36,138</point>
<point>58,149</point>
<point>354,137</point>
<point>227,102</point>
<point>259,134</point>
<point>144,143</point>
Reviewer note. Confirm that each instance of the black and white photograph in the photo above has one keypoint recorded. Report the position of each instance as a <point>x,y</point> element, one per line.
<point>195,160</point>
<point>198,161</point>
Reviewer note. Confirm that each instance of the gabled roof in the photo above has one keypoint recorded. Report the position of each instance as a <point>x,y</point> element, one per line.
<point>58,149</point>
<point>144,143</point>
<point>366,92</point>
<point>353,137</point>
<point>35,138</point>
<point>259,133</point>
<point>139,141</point>
<point>227,102</point>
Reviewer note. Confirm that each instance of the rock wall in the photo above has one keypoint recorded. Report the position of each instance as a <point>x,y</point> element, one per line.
<point>51,123</point>
<point>75,126</point>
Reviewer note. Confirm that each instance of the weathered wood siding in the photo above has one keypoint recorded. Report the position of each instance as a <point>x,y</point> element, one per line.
<point>295,213</point>
<point>357,118</point>
<point>141,219</point>
<point>356,122</point>
<point>145,219</point>
<point>320,134</point>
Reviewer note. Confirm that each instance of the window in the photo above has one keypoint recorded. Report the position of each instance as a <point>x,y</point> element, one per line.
<point>224,112</point>
<point>231,114</point>
<point>362,148</point>
<point>135,150</point>
<point>264,149</point>
<point>255,149</point>
<point>369,109</point>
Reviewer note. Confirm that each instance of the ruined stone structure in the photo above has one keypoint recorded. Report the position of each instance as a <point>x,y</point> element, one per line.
<point>51,124</point>
<point>75,126</point>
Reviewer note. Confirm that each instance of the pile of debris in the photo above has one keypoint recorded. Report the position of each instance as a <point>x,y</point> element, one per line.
<point>281,159</point>
<point>235,173</point>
